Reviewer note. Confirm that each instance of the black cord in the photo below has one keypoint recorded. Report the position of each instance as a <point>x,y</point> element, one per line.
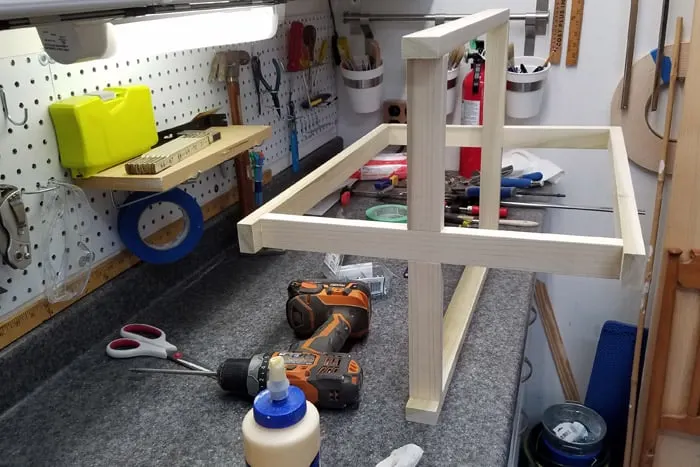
<point>334,39</point>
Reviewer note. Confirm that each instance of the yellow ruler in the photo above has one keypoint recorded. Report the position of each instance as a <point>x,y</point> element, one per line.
<point>575,24</point>
<point>557,40</point>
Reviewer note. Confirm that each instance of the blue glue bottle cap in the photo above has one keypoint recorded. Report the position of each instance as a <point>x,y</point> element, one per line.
<point>284,413</point>
<point>280,405</point>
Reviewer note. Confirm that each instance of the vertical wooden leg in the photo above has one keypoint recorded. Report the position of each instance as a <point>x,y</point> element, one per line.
<point>426,176</point>
<point>245,183</point>
<point>425,303</point>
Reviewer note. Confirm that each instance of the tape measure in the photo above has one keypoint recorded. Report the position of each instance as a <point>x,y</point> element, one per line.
<point>575,25</point>
<point>557,40</point>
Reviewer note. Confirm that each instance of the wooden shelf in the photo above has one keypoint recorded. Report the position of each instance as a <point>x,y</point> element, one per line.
<point>234,140</point>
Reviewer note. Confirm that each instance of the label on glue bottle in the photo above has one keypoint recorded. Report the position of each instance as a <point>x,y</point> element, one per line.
<point>470,112</point>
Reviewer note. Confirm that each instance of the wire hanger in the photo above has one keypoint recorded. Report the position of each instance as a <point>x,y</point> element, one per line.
<point>6,112</point>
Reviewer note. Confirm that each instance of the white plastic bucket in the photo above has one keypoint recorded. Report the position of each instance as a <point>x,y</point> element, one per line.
<point>525,91</point>
<point>452,83</point>
<point>364,88</point>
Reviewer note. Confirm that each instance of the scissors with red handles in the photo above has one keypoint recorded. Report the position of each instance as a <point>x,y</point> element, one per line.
<point>144,340</point>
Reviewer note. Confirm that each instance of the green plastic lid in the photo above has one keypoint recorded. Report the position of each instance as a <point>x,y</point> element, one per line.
<point>388,213</point>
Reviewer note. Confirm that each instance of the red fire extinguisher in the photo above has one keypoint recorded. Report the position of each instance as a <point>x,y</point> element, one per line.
<point>472,113</point>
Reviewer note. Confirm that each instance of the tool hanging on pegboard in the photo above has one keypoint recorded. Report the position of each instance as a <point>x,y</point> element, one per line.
<point>14,235</point>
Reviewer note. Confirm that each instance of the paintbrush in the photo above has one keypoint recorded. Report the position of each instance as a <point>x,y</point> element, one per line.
<point>455,57</point>
<point>511,57</point>
<point>546,64</point>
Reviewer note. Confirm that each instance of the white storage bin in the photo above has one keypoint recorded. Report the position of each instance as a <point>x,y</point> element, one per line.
<point>525,91</point>
<point>364,88</point>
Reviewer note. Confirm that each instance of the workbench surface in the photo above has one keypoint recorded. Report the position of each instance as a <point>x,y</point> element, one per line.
<point>95,412</point>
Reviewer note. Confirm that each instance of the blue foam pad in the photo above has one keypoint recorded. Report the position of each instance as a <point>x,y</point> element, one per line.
<point>609,386</point>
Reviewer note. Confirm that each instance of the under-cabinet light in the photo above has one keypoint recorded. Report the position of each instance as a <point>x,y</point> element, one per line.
<point>162,34</point>
<point>71,42</point>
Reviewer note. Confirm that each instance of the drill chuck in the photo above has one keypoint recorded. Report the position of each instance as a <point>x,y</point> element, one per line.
<point>331,381</point>
<point>244,377</point>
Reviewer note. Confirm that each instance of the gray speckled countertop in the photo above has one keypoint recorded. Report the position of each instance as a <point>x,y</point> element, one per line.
<point>95,412</point>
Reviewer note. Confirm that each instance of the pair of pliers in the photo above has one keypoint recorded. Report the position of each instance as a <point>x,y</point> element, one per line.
<point>258,78</point>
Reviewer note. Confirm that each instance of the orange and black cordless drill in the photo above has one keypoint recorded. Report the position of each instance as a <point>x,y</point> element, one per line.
<point>327,313</point>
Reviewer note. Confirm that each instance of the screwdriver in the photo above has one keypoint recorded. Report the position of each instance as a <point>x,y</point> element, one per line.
<point>520,182</point>
<point>472,210</point>
<point>517,204</point>
<point>466,220</point>
<point>509,192</point>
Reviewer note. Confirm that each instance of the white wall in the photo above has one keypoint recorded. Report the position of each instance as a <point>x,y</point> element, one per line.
<point>575,96</point>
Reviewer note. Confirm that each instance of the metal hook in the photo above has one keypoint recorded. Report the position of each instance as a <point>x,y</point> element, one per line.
<point>41,189</point>
<point>6,112</point>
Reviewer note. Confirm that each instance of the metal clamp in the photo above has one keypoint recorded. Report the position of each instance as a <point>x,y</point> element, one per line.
<point>528,375</point>
<point>14,236</point>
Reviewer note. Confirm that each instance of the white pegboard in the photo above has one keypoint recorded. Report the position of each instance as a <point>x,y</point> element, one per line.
<point>180,90</point>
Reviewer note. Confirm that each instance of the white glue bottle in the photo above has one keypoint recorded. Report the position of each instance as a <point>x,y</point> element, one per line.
<point>282,428</point>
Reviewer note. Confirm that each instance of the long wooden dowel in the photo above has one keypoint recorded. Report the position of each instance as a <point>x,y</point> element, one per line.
<point>556,344</point>
<point>648,274</point>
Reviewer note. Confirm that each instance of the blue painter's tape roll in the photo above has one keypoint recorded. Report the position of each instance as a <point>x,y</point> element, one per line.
<point>128,225</point>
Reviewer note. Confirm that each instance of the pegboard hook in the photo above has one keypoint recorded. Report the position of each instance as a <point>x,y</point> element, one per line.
<point>6,112</point>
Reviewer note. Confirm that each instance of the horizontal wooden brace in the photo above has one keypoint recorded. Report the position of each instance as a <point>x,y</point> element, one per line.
<point>521,251</point>
<point>559,137</point>
<point>440,40</point>
<point>304,194</point>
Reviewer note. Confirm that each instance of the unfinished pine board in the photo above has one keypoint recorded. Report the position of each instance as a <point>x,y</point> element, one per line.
<point>682,231</point>
<point>440,40</point>
<point>492,133</point>
<point>307,192</point>
<point>625,209</point>
<point>425,340</point>
<point>521,251</point>
<point>457,318</point>
<point>434,340</point>
<point>426,145</point>
<point>234,140</point>
<point>520,136</point>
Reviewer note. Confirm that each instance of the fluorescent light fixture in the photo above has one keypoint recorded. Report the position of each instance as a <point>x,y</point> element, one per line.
<point>165,33</point>
<point>72,42</point>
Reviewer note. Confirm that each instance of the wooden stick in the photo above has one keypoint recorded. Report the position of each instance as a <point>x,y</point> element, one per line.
<point>648,273</point>
<point>556,344</point>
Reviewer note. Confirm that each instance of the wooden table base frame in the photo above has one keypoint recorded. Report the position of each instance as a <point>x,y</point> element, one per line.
<point>435,340</point>
<point>685,275</point>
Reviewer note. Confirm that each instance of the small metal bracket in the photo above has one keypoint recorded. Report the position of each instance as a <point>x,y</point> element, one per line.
<point>530,34</point>
<point>542,6</point>
<point>355,7</point>
<point>535,25</point>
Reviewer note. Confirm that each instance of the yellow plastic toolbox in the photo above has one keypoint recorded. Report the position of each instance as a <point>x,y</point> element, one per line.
<point>100,130</point>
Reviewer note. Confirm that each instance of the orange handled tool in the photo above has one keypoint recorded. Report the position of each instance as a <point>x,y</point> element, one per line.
<point>327,313</point>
